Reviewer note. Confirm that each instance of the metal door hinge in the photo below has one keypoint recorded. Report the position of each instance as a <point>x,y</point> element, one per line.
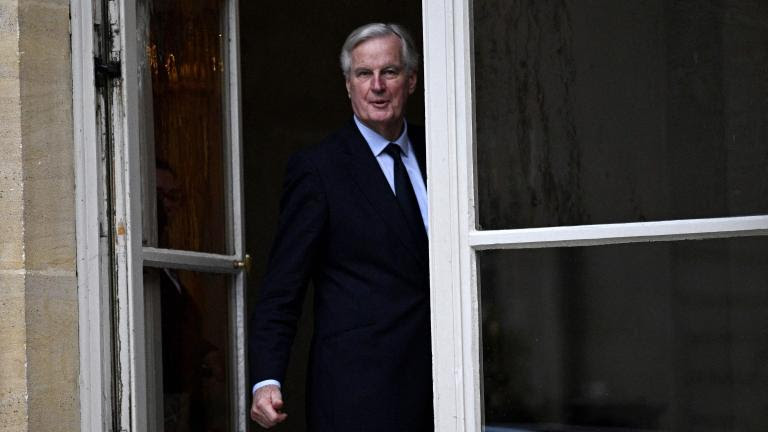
<point>105,71</point>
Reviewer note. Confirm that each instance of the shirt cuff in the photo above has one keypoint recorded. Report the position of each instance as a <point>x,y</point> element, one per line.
<point>261,384</point>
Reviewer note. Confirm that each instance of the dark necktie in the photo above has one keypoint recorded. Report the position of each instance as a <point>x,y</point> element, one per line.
<point>406,197</point>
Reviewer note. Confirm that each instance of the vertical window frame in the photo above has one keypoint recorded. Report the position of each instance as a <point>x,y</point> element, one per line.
<point>450,157</point>
<point>93,301</point>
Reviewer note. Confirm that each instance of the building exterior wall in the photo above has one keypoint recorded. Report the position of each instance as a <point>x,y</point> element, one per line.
<point>38,285</point>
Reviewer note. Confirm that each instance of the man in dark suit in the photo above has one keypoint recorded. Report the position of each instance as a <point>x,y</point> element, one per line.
<point>353,220</point>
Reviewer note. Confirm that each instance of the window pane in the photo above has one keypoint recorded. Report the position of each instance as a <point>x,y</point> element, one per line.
<point>183,124</point>
<point>188,337</point>
<point>618,111</point>
<point>654,336</point>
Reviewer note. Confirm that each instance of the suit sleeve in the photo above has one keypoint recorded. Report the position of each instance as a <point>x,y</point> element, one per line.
<point>303,214</point>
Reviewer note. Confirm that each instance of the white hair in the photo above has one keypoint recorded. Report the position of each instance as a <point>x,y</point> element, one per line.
<point>408,52</point>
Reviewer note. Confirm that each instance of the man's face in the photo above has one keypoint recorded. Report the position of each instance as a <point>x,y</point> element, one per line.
<point>379,86</point>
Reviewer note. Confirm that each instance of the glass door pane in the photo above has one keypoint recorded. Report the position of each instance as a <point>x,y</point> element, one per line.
<point>190,349</point>
<point>668,336</point>
<point>619,111</point>
<point>184,124</point>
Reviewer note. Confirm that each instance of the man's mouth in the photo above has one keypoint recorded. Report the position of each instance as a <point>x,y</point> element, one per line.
<point>379,104</point>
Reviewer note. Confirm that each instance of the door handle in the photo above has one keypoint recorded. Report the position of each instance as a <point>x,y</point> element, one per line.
<point>245,263</point>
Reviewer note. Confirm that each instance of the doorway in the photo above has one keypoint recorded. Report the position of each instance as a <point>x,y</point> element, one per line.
<point>293,95</point>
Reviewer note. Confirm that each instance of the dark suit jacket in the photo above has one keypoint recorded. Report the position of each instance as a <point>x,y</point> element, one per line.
<point>341,227</point>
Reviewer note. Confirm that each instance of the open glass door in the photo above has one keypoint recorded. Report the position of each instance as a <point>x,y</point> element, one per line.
<point>180,254</point>
<point>192,218</point>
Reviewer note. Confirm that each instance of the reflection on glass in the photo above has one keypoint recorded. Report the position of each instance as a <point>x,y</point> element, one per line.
<point>669,336</point>
<point>619,111</point>
<point>188,325</point>
<point>184,64</point>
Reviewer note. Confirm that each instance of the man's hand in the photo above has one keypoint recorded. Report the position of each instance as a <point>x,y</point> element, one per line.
<point>267,405</point>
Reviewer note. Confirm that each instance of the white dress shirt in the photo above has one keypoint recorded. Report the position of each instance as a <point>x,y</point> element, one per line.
<point>378,143</point>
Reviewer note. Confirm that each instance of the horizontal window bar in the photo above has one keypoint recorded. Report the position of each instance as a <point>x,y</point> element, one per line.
<point>186,260</point>
<point>587,235</point>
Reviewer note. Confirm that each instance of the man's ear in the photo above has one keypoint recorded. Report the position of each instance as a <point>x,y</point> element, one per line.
<point>346,83</point>
<point>412,80</point>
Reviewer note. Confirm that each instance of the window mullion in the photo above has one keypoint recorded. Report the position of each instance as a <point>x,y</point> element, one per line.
<point>589,235</point>
<point>187,260</point>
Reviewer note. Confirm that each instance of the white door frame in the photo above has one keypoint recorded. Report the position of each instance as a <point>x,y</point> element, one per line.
<point>454,237</point>
<point>93,305</point>
<point>96,388</point>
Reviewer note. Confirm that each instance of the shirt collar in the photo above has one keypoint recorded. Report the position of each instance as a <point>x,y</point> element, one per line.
<point>378,143</point>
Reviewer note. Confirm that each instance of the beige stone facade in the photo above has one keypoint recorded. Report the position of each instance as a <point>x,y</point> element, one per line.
<point>38,284</point>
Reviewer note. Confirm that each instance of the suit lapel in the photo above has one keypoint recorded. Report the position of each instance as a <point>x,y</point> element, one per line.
<point>366,173</point>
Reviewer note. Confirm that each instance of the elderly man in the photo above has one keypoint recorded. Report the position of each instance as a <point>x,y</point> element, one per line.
<point>353,220</point>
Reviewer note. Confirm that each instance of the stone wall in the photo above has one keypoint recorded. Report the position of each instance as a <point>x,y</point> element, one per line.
<point>38,285</point>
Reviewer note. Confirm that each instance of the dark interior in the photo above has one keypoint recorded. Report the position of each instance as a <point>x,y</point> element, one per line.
<point>292,96</point>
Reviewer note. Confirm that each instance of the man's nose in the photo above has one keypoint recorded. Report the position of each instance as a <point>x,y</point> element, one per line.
<point>378,84</point>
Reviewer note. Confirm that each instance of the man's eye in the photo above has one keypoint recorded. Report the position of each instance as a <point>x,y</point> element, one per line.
<point>390,72</point>
<point>363,73</point>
